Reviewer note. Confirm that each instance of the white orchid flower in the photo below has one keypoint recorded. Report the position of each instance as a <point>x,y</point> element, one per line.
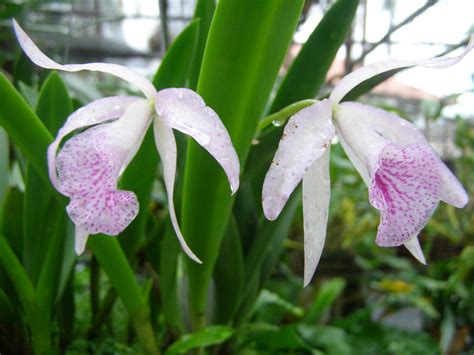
<point>405,178</point>
<point>89,165</point>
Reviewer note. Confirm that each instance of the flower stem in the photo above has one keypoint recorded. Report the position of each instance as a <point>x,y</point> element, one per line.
<point>282,115</point>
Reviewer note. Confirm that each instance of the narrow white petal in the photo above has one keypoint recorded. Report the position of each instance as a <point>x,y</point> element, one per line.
<point>316,196</point>
<point>96,112</point>
<point>186,111</point>
<point>40,59</point>
<point>80,240</point>
<point>350,81</point>
<point>166,146</point>
<point>413,246</point>
<point>306,137</point>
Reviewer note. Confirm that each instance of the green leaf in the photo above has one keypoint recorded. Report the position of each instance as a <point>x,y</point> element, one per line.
<point>39,325</point>
<point>54,104</point>
<point>176,65</point>
<point>271,339</point>
<point>12,226</point>
<point>267,297</point>
<point>267,244</point>
<point>121,276</point>
<point>229,275</point>
<point>245,48</point>
<point>204,11</point>
<point>333,340</point>
<point>308,71</point>
<point>170,298</point>
<point>448,330</point>
<point>7,314</point>
<point>205,337</point>
<point>24,127</point>
<point>44,218</point>
<point>4,166</point>
<point>327,294</point>
<point>304,78</point>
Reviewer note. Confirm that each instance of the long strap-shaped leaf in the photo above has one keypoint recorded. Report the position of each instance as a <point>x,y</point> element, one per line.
<point>245,48</point>
<point>32,137</point>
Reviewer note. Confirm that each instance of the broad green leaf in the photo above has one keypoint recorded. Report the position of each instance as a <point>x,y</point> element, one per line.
<point>204,11</point>
<point>54,104</point>
<point>140,174</point>
<point>267,244</point>
<point>176,65</point>
<point>43,215</point>
<point>327,294</point>
<point>39,325</point>
<point>12,226</point>
<point>4,166</point>
<point>7,314</point>
<point>308,71</point>
<point>304,78</point>
<point>205,337</point>
<point>245,48</point>
<point>170,298</point>
<point>24,127</point>
<point>229,275</point>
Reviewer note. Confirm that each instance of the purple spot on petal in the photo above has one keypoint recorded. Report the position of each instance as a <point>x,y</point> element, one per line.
<point>405,187</point>
<point>88,169</point>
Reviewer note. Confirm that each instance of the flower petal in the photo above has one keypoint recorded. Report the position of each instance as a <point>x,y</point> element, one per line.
<point>185,110</point>
<point>80,240</point>
<point>96,112</point>
<point>316,196</point>
<point>306,137</point>
<point>40,59</point>
<point>350,81</point>
<point>88,168</point>
<point>413,246</point>
<point>166,146</point>
<point>351,115</point>
<point>405,187</point>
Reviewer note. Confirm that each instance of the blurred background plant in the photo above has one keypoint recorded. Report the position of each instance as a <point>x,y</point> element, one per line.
<point>136,293</point>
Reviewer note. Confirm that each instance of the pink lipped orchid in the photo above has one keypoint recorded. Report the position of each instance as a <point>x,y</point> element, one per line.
<point>405,178</point>
<point>89,165</point>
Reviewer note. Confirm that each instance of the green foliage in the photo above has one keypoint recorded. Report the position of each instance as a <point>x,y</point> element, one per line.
<point>247,296</point>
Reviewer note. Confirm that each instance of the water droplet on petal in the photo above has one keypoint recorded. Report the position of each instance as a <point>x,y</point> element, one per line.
<point>278,123</point>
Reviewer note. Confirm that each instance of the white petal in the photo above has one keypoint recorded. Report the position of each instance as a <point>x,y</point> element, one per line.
<point>413,246</point>
<point>350,81</point>
<point>306,137</point>
<point>166,146</point>
<point>354,122</point>
<point>40,59</point>
<point>94,113</point>
<point>185,110</point>
<point>80,240</point>
<point>316,196</point>
<point>361,168</point>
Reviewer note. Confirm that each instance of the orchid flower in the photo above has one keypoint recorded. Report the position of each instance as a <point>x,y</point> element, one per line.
<point>89,165</point>
<point>405,178</point>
